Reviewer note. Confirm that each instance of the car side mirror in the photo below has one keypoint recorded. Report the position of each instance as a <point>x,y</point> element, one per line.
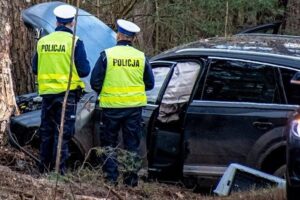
<point>296,79</point>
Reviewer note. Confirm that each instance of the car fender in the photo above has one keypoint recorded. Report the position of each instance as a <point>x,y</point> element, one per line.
<point>265,145</point>
<point>85,134</point>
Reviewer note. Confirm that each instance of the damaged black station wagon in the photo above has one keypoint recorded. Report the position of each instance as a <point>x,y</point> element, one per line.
<point>220,101</point>
<point>216,101</point>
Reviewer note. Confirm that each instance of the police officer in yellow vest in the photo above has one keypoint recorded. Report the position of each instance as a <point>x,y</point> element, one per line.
<point>52,66</point>
<point>121,76</point>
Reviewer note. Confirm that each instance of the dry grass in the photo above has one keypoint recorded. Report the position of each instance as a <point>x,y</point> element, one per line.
<point>18,186</point>
<point>86,183</point>
<point>266,194</point>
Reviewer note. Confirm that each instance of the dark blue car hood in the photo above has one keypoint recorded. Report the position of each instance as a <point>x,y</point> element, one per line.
<point>96,35</point>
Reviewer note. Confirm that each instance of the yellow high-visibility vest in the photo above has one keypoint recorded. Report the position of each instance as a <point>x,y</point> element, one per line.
<point>54,58</point>
<point>123,85</point>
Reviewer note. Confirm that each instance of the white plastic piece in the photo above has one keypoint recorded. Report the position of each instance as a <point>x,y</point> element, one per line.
<point>227,181</point>
<point>37,99</point>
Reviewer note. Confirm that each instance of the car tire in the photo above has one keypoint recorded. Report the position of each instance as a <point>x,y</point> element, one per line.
<point>292,193</point>
<point>281,171</point>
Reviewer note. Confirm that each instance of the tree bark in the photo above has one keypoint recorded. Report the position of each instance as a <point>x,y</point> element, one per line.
<point>21,49</point>
<point>5,62</point>
<point>6,102</point>
<point>20,45</point>
<point>15,53</point>
<point>293,17</point>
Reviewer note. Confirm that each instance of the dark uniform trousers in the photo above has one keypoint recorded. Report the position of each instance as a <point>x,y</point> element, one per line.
<point>129,120</point>
<point>49,130</point>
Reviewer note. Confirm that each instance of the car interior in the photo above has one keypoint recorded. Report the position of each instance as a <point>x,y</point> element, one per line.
<point>168,123</point>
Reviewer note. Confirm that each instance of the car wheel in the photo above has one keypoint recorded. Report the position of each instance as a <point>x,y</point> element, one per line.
<point>292,193</point>
<point>280,172</point>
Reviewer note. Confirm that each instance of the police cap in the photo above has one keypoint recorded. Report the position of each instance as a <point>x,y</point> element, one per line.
<point>127,27</point>
<point>64,13</point>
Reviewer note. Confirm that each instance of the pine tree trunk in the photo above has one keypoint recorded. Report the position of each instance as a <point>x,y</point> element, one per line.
<point>22,48</point>
<point>293,17</point>
<point>7,100</point>
<point>21,45</point>
<point>15,60</point>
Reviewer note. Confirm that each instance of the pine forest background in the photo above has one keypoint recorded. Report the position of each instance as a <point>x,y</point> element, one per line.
<point>164,24</point>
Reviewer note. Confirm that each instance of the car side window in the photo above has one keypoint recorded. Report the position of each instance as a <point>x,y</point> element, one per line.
<point>292,90</point>
<point>160,74</point>
<point>241,81</point>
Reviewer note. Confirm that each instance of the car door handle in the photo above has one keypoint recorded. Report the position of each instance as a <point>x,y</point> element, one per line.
<point>263,125</point>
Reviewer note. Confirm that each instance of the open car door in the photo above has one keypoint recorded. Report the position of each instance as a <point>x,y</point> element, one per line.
<point>163,71</point>
<point>165,114</point>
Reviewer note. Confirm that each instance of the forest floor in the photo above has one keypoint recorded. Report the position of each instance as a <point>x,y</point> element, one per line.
<point>19,179</point>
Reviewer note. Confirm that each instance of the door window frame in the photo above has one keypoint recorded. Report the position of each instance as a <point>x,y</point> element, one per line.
<point>280,83</point>
<point>156,64</point>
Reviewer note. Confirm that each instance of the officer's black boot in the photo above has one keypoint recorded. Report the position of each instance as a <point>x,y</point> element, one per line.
<point>130,179</point>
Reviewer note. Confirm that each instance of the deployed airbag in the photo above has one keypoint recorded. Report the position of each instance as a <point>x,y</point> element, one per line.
<point>178,91</point>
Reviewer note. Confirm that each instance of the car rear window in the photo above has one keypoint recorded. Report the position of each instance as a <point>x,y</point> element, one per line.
<point>229,80</point>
